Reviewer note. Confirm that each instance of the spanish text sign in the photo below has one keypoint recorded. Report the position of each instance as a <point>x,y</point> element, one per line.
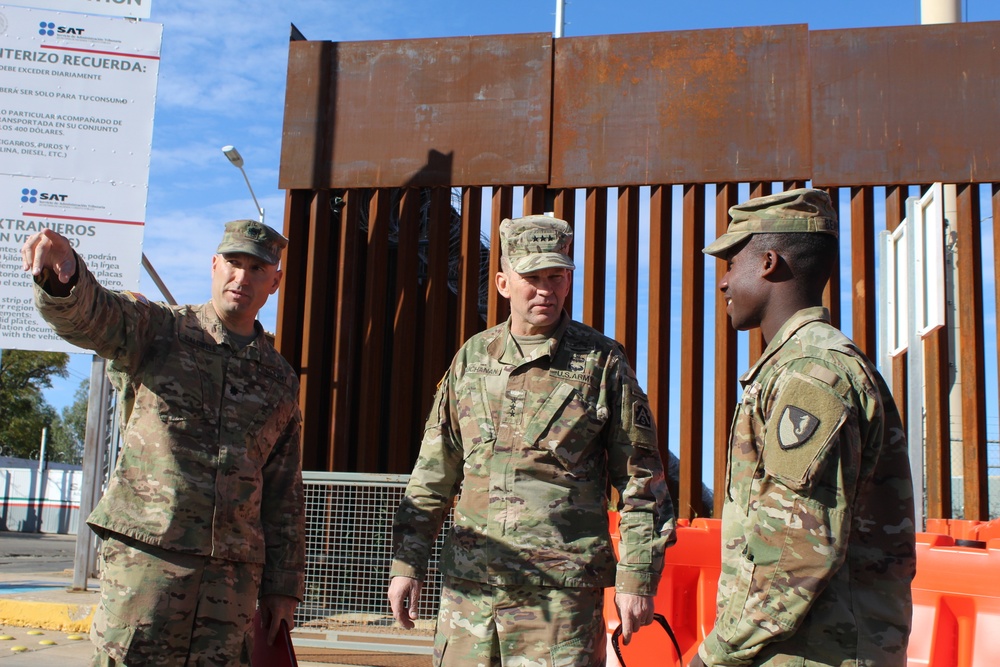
<point>77,95</point>
<point>135,9</point>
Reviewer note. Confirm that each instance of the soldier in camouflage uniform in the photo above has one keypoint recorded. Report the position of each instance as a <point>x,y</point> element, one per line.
<point>204,512</point>
<point>531,422</point>
<point>817,529</point>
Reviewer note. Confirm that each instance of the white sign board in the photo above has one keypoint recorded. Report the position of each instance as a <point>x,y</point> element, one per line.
<point>77,95</point>
<point>135,9</point>
<point>896,307</point>
<point>914,257</point>
<point>929,257</point>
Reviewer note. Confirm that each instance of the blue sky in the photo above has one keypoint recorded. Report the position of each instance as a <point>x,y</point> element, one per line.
<point>222,81</point>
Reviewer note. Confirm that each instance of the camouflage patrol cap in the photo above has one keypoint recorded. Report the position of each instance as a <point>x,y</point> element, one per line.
<point>801,210</point>
<point>253,238</point>
<point>536,242</point>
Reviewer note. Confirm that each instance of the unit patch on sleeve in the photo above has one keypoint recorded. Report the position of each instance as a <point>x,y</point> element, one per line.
<point>642,417</point>
<point>795,427</point>
<point>137,297</point>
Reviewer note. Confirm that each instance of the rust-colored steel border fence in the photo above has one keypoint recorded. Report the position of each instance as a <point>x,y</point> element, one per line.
<point>400,158</point>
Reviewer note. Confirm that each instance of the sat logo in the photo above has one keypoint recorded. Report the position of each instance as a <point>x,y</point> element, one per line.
<point>49,29</point>
<point>31,195</point>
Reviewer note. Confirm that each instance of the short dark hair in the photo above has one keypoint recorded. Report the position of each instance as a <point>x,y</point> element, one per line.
<point>810,257</point>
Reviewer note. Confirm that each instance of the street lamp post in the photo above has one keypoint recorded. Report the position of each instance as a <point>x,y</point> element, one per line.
<point>237,160</point>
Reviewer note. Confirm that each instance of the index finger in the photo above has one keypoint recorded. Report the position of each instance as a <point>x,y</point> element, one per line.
<point>28,252</point>
<point>627,628</point>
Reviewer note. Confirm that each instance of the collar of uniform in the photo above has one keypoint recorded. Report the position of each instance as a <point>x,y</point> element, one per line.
<point>214,329</point>
<point>786,331</point>
<point>496,345</point>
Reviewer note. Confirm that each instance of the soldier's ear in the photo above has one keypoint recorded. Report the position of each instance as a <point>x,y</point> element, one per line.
<point>503,286</point>
<point>770,260</point>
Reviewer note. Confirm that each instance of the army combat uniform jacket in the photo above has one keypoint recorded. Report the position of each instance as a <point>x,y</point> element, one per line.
<point>211,462</point>
<point>531,444</point>
<point>818,530</point>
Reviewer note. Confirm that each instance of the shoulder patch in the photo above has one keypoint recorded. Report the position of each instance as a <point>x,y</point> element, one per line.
<point>795,426</point>
<point>641,416</point>
<point>137,297</point>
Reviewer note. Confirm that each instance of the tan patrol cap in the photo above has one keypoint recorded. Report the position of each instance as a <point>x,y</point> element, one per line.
<point>801,210</point>
<point>253,238</point>
<point>536,242</point>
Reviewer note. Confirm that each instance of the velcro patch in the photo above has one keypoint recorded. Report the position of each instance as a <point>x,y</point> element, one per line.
<point>805,420</point>
<point>636,416</point>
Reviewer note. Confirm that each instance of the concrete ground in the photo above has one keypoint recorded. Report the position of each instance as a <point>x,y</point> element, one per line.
<point>43,624</point>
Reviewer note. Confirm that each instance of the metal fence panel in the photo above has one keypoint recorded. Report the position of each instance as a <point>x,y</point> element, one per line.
<point>348,554</point>
<point>875,136</point>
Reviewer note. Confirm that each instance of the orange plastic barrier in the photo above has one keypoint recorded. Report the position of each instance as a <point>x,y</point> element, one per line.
<point>686,597</point>
<point>956,604</point>
<point>956,597</point>
<point>961,529</point>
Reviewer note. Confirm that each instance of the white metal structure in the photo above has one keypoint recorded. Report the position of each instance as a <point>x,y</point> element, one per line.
<point>913,298</point>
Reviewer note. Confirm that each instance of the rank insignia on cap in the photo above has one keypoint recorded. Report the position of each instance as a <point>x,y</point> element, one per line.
<point>795,427</point>
<point>642,417</point>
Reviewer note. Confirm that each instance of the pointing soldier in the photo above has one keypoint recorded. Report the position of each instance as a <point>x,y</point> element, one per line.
<point>530,423</point>
<point>818,529</point>
<point>204,513</point>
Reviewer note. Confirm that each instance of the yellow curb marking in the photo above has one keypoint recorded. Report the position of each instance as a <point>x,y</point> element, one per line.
<point>48,615</point>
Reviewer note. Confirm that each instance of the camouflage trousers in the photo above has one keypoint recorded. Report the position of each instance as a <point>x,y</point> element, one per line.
<point>165,609</point>
<point>480,625</point>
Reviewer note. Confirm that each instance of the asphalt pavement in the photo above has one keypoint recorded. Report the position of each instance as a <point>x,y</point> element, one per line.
<point>45,624</point>
<point>36,552</point>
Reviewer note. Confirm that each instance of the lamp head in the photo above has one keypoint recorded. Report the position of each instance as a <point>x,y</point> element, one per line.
<point>233,155</point>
